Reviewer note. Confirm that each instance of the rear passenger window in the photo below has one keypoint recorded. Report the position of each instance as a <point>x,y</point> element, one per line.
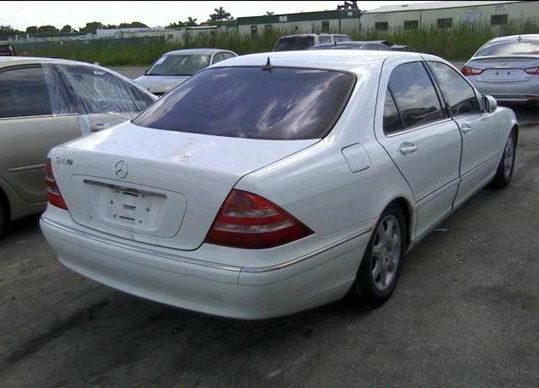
<point>414,95</point>
<point>23,92</point>
<point>98,91</point>
<point>218,57</point>
<point>456,91</point>
<point>392,120</point>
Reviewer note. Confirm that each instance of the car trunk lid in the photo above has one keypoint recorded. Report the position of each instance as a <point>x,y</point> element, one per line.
<point>503,69</point>
<point>154,186</point>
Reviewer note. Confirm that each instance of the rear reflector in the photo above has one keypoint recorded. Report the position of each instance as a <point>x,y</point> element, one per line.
<point>532,70</point>
<point>249,221</point>
<point>470,71</point>
<point>53,192</point>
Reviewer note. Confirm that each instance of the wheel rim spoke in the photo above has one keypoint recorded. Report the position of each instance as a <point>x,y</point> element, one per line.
<point>509,155</point>
<point>386,252</point>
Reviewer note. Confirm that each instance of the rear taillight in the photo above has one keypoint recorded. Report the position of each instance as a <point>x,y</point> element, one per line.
<point>249,221</point>
<point>53,192</point>
<point>532,70</point>
<point>466,70</point>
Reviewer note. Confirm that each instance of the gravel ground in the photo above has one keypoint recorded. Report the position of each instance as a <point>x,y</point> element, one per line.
<point>465,313</point>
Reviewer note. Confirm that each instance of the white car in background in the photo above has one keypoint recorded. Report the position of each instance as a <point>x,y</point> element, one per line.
<point>175,67</point>
<point>277,182</point>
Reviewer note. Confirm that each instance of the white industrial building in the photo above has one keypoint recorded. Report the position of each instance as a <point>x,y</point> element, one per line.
<point>448,14</point>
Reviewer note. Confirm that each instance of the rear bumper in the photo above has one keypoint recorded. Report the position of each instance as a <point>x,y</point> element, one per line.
<point>510,91</point>
<point>236,292</point>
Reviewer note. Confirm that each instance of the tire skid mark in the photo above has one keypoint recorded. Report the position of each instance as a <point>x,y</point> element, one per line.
<point>33,345</point>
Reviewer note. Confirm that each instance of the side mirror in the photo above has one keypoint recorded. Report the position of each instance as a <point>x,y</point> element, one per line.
<point>489,104</point>
<point>146,71</point>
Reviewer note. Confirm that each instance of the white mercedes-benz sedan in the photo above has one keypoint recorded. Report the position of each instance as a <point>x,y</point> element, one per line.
<point>276,182</point>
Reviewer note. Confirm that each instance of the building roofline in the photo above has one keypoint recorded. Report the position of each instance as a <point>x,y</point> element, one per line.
<point>461,5</point>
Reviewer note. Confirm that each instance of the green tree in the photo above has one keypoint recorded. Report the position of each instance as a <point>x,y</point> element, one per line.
<point>191,22</point>
<point>133,25</point>
<point>176,25</point>
<point>46,29</point>
<point>9,31</point>
<point>67,28</point>
<point>220,14</point>
<point>91,27</point>
<point>31,30</point>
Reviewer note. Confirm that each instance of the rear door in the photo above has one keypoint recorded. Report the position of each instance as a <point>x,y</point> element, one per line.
<point>479,136</point>
<point>423,142</point>
<point>28,130</point>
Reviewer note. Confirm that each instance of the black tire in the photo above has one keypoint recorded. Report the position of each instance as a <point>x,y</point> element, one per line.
<point>365,289</point>
<point>3,221</point>
<point>503,176</point>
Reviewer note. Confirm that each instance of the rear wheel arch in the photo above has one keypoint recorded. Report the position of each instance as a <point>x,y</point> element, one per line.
<point>4,204</point>
<point>406,208</point>
<point>5,212</point>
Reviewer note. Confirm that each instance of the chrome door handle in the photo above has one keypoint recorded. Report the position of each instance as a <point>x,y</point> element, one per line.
<point>407,148</point>
<point>465,128</point>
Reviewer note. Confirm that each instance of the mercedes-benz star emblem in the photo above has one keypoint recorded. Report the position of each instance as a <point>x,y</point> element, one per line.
<point>121,169</point>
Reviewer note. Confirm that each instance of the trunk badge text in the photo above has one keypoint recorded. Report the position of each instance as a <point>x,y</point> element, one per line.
<point>121,169</point>
<point>63,160</point>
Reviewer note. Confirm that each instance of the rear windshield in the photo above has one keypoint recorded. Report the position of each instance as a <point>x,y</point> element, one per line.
<point>248,102</point>
<point>510,48</point>
<point>294,43</point>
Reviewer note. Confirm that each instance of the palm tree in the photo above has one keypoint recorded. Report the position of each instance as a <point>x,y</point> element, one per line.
<point>220,14</point>
<point>176,25</point>
<point>191,22</point>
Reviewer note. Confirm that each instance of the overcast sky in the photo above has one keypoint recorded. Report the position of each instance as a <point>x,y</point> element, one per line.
<point>20,14</point>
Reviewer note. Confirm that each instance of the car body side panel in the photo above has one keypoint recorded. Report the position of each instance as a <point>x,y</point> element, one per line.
<point>500,124</point>
<point>25,142</point>
<point>18,207</point>
<point>321,178</point>
<point>480,151</point>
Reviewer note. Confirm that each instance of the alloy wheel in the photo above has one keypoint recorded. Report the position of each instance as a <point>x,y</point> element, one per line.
<point>386,252</point>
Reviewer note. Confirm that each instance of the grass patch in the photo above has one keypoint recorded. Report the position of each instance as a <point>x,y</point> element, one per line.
<point>458,43</point>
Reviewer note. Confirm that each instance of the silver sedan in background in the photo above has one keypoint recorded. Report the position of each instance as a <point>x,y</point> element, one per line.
<point>175,67</point>
<point>507,68</point>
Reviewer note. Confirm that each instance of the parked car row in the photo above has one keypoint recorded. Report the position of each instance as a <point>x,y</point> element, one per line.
<point>257,185</point>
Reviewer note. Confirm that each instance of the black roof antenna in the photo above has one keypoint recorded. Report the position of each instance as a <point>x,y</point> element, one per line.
<point>268,66</point>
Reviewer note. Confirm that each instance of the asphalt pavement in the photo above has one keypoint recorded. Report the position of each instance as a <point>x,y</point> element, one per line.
<point>465,313</point>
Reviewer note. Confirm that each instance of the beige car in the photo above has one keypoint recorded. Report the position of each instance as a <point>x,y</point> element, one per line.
<point>45,102</point>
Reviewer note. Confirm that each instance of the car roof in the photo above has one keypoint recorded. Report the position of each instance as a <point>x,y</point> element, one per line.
<point>509,38</point>
<point>343,60</point>
<point>10,61</point>
<point>313,34</point>
<point>197,51</point>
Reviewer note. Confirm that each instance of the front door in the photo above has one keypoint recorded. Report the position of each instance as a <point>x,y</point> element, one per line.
<point>479,137</point>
